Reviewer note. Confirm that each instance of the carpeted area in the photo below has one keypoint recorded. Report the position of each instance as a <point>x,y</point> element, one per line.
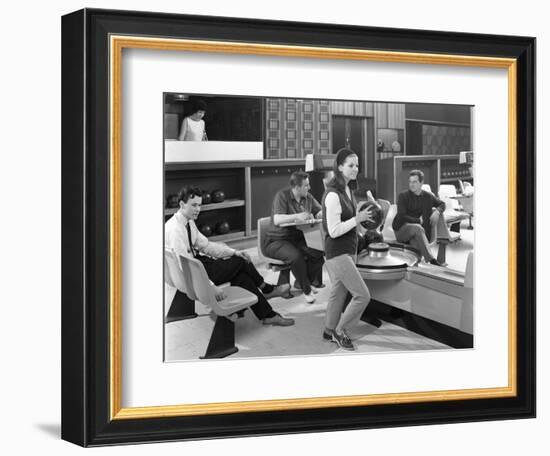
<point>187,339</point>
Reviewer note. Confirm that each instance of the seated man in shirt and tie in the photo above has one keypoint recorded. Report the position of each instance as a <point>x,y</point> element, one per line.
<point>222,263</point>
<point>287,243</point>
<point>416,216</point>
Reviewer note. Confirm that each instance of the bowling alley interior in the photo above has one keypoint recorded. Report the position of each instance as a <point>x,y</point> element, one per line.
<point>247,151</point>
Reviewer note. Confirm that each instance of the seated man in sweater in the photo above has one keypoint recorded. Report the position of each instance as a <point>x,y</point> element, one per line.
<point>222,263</point>
<point>416,216</point>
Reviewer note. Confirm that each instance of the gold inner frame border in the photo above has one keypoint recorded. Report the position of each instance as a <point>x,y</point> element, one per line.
<point>116,46</point>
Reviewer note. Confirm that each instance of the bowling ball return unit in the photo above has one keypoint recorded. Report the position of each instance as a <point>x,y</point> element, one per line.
<point>434,301</point>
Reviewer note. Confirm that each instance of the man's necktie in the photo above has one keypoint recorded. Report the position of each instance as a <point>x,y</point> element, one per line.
<point>189,239</point>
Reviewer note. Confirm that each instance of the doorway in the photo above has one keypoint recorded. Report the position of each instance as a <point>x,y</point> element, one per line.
<point>357,134</point>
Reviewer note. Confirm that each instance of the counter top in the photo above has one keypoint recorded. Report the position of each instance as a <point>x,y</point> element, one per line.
<point>234,164</point>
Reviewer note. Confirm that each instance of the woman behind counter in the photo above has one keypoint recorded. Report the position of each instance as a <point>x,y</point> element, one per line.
<point>192,127</point>
<point>340,221</point>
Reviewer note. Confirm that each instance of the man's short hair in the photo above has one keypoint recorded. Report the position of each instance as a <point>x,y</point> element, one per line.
<point>297,178</point>
<point>419,173</point>
<point>188,192</point>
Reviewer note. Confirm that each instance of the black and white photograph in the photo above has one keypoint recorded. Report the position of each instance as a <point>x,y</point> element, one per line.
<point>300,227</point>
<point>303,311</point>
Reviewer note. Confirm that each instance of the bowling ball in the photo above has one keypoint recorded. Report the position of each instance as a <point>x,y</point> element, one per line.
<point>172,201</point>
<point>222,227</point>
<point>218,196</point>
<point>372,237</point>
<point>206,229</point>
<point>376,213</point>
<point>206,197</point>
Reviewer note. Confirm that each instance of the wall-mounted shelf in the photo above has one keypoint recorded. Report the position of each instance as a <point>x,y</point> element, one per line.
<point>446,180</point>
<point>212,206</point>
<point>233,235</point>
<point>249,187</point>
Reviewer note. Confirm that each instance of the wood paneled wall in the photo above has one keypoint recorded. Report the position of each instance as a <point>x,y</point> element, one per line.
<point>352,108</point>
<point>445,139</point>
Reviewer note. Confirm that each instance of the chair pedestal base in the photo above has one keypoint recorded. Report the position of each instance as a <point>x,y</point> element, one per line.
<point>220,354</point>
<point>442,251</point>
<point>222,340</point>
<point>182,308</point>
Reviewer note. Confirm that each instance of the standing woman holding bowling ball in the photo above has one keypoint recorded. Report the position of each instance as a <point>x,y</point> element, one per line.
<point>340,222</point>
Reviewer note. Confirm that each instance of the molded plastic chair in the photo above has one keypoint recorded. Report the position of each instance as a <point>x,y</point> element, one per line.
<point>179,275</point>
<point>194,282</point>
<point>385,205</point>
<point>272,263</point>
<point>451,216</point>
<point>175,276</point>
<point>466,200</point>
<point>453,210</point>
<point>182,306</point>
<point>236,298</point>
<point>222,340</point>
<point>387,230</point>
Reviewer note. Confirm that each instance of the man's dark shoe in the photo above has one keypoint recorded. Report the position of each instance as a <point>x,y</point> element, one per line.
<point>314,288</point>
<point>435,262</point>
<point>374,321</point>
<point>278,320</point>
<point>274,291</point>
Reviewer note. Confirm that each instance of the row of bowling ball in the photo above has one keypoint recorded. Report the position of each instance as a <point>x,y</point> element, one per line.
<point>217,196</point>
<point>222,227</point>
<point>377,215</point>
<point>219,228</point>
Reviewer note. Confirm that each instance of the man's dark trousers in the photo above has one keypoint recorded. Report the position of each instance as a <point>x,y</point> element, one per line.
<point>239,273</point>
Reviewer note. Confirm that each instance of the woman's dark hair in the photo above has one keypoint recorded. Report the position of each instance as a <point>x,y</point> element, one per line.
<point>338,180</point>
<point>188,192</point>
<point>198,105</point>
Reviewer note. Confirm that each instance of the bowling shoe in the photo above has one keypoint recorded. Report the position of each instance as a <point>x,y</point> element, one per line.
<point>340,339</point>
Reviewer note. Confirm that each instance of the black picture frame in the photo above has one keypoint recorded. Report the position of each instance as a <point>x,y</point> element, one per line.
<point>86,256</point>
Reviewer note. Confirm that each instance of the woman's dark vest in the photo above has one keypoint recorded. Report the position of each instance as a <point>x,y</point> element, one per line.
<point>347,243</point>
